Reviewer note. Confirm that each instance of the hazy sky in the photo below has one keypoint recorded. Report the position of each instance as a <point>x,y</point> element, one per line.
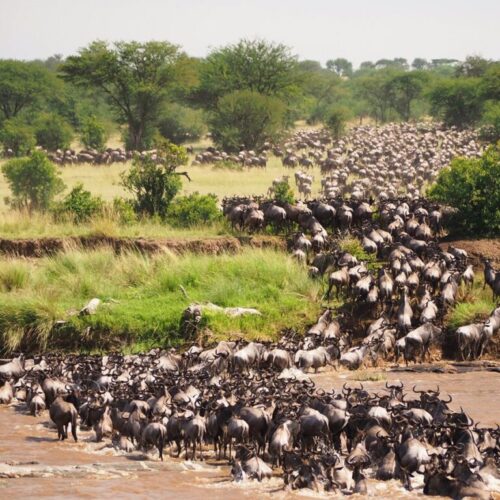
<point>315,29</point>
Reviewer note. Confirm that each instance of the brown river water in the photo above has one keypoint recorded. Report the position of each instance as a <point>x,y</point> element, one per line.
<point>34,464</point>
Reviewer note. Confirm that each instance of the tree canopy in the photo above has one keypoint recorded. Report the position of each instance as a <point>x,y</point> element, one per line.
<point>22,85</point>
<point>257,65</point>
<point>135,77</point>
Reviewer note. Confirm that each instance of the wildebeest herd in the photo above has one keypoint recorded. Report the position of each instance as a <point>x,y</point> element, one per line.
<point>259,413</point>
<point>255,403</point>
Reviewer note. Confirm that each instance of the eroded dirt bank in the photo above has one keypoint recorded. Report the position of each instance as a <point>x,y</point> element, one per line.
<point>40,247</point>
<point>34,464</point>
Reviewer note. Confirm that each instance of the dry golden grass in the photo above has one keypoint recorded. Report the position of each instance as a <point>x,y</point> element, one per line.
<point>105,180</point>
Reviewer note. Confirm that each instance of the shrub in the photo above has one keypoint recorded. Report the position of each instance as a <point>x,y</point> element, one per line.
<point>17,136</point>
<point>52,132</point>
<point>79,205</point>
<point>246,119</point>
<point>154,183</point>
<point>193,210</point>
<point>472,186</point>
<point>180,124</point>
<point>34,181</point>
<point>335,119</point>
<point>93,134</point>
<point>124,210</point>
<point>283,192</point>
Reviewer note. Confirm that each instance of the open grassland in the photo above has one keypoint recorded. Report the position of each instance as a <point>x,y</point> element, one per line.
<point>143,299</point>
<point>223,181</point>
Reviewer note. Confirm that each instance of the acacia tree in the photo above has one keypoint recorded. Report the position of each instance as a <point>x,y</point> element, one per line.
<point>258,66</point>
<point>341,66</point>
<point>22,85</point>
<point>135,77</point>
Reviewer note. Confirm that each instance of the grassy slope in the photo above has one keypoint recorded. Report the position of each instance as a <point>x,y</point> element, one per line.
<point>143,298</point>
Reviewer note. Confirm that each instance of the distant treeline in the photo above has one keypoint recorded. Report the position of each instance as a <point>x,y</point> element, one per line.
<point>244,94</point>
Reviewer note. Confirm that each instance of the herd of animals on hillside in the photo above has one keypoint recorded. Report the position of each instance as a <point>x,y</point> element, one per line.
<point>256,403</point>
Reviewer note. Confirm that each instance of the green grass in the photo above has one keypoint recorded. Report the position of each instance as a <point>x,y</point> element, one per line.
<point>15,224</point>
<point>143,301</point>
<point>474,305</point>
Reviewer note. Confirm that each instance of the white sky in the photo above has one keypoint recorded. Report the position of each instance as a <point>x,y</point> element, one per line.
<point>315,29</point>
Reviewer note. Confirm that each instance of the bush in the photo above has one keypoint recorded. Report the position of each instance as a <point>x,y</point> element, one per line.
<point>283,192</point>
<point>193,210</point>
<point>154,183</point>
<point>34,181</point>
<point>17,136</point>
<point>336,119</point>
<point>246,119</point>
<point>78,205</point>
<point>124,210</point>
<point>472,186</point>
<point>180,124</point>
<point>52,132</point>
<point>93,134</point>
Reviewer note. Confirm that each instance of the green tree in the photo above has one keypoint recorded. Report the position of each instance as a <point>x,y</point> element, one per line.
<point>53,132</point>
<point>22,85</point>
<point>155,182</point>
<point>474,66</point>
<point>336,120</point>
<point>135,77</point>
<point>33,181</point>
<point>246,119</point>
<point>407,87</point>
<point>419,63</point>
<point>257,66</point>
<point>490,121</point>
<point>341,66</point>
<point>457,101</point>
<point>194,209</point>
<point>17,136</point>
<point>472,186</point>
<point>93,133</point>
<point>377,90</point>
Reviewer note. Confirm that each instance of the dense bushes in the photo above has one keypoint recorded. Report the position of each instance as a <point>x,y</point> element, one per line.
<point>34,181</point>
<point>472,186</point>
<point>17,136</point>
<point>53,132</point>
<point>246,119</point>
<point>194,209</point>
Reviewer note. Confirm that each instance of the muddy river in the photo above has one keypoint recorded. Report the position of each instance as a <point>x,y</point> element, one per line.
<point>34,464</point>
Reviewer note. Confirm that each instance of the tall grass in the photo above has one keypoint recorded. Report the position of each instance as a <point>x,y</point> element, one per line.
<point>143,300</point>
<point>473,305</point>
<point>15,224</point>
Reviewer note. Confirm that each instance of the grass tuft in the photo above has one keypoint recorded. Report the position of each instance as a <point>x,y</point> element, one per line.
<point>143,301</point>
